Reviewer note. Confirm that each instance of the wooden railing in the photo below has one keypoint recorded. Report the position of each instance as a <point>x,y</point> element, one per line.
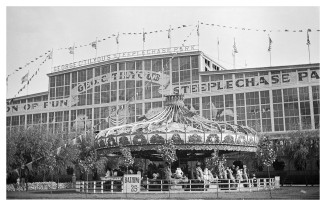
<point>162,186</point>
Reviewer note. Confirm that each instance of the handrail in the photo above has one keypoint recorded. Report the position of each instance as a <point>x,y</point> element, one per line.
<point>163,185</point>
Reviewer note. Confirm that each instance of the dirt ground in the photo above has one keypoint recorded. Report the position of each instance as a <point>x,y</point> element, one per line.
<point>285,193</point>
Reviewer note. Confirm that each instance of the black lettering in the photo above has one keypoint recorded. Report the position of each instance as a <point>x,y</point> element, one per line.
<point>252,81</point>
<point>185,88</point>
<point>204,87</point>
<point>45,105</point>
<point>194,88</point>
<point>27,106</point>
<point>262,80</point>
<point>229,84</point>
<point>275,79</point>
<point>80,87</point>
<point>114,75</point>
<point>238,81</point>
<point>15,107</point>
<point>302,75</point>
<point>285,78</point>
<point>213,84</point>
<point>176,90</point>
<point>219,86</point>
<point>314,75</point>
<point>34,105</point>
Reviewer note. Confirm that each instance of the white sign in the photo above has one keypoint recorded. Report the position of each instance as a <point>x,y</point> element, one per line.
<point>131,183</point>
<point>109,57</point>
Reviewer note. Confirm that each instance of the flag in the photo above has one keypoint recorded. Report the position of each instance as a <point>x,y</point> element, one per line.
<point>94,44</point>
<point>235,50</point>
<point>71,50</point>
<point>169,33</point>
<point>144,36</point>
<point>198,30</point>
<point>308,40</point>
<point>270,44</point>
<point>24,78</point>
<point>117,39</point>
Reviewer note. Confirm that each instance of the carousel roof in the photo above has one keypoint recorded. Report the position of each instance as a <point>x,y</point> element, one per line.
<point>174,117</point>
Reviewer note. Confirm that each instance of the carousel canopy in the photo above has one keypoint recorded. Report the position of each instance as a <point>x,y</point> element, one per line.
<point>175,117</point>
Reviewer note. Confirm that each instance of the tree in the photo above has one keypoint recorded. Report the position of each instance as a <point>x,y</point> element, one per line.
<point>126,159</point>
<point>169,155</point>
<point>266,154</point>
<point>216,164</point>
<point>25,146</point>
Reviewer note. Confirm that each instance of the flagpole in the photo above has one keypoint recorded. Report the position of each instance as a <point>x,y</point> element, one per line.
<point>218,50</point>
<point>233,54</point>
<point>96,48</point>
<point>27,82</point>
<point>52,59</point>
<point>309,53</point>
<point>308,44</point>
<point>143,40</point>
<point>73,54</point>
<point>170,37</point>
<point>270,58</point>
<point>117,41</point>
<point>198,35</point>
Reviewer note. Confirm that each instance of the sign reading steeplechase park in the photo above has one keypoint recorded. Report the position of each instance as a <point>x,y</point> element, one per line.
<point>169,50</point>
<point>292,77</point>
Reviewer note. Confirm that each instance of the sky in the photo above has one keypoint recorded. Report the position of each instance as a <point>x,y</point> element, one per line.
<point>31,31</point>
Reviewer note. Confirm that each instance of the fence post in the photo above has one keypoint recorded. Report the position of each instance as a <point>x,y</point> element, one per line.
<point>147,186</point>
<point>190,186</point>
<point>94,186</point>
<point>111,186</point>
<point>161,186</point>
<point>102,186</point>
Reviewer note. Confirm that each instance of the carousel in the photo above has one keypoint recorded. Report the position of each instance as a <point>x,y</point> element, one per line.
<point>195,137</point>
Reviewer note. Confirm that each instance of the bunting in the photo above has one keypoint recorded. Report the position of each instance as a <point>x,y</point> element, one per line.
<point>270,44</point>
<point>117,38</point>
<point>308,40</point>
<point>94,44</point>
<point>24,78</point>
<point>235,50</point>
<point>251,29</point>
<point>71,50</point>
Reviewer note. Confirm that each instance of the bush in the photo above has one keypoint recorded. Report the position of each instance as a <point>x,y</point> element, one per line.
<point>40,186</point>
<point>157,139</point>
<point>278,165</point>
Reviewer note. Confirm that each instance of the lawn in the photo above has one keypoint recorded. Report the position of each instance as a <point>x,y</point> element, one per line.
<point>292,193</point>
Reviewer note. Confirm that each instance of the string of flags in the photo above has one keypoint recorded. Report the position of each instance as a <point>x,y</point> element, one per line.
<point>26,78</point>
<point>94,45</point>
<point>30,62</point>
<point>117,36</point>
<point>250,29</point>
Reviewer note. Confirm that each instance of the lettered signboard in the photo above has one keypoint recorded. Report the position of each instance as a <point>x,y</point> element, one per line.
<point>131,183</point>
